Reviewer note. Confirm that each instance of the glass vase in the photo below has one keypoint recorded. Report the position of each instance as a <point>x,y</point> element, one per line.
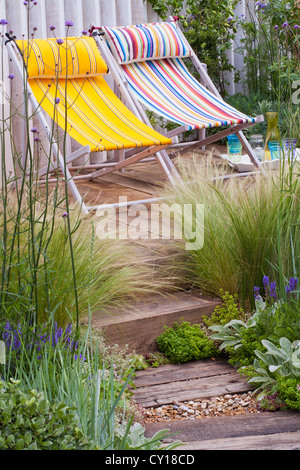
<point>272,134</point>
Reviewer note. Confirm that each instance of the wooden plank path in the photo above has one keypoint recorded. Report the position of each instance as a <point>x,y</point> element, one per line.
<point>278,430</point>
<point>138,324</point>
<point>208,379</point>
<point>184,382</point>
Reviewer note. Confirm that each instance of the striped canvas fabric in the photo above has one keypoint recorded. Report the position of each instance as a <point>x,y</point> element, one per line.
<point>75,57</point>
<point>95,116</point>
<point>170,90</point>
<point>145,42</point>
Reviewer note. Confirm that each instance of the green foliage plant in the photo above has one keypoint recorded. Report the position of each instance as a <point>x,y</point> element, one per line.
<point>227,311</point>
<point>30,422</point>
<point>270,46</point>
<point>185,342</point>
<point>289,391</point>
<point>283,361</point>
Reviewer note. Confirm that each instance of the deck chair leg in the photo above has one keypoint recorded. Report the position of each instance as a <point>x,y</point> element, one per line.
<point>121,157</point>
<point>201,136</point>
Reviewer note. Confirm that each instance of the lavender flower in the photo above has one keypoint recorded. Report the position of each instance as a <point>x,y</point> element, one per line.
<point>292,285</point>
<point>273,290</point>
<point>69,23</point>
<point>266,281</point>
<point>15,338</point>
<point>256,292</point>
<point>80,357</point>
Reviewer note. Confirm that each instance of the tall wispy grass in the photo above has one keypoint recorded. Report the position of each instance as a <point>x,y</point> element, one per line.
<point>251,227</point>
<point>105,270</point>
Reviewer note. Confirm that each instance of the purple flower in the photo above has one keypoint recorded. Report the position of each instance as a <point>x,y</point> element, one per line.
<point>11,76</point>
<point>256,292</point>
<point>276,26</point>
<point>59,41</point>
<point>285,24</point>
<point>292,285</point>
<point>57,100</point>
<point>52,28</point>
<point>84,32</point>
<point>65,214</point>
<point>296,26</point>
<point>3,22</point>
<point>273,290</point>
<point>69,23</point>
<point>266,281</point>
<point>80,357</point>
<point>229,19</point>
<point>34,130</point>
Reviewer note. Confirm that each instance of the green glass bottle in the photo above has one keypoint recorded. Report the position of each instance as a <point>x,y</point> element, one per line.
<point>272,132</point>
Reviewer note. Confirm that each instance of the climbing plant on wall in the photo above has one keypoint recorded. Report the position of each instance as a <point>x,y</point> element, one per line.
<point>210,27</point>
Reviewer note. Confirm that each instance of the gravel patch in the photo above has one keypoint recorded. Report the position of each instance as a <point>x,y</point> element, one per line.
<point>229,405</point>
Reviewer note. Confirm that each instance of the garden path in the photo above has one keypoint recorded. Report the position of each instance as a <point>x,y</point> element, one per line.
<point>204,380</point>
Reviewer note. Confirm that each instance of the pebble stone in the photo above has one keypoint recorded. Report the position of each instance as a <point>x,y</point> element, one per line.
<point>228,405</point>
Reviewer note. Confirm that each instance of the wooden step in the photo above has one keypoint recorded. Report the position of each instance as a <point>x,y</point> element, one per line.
<point>190,381</point>
<point>139,324</point>
<point>279,430</point>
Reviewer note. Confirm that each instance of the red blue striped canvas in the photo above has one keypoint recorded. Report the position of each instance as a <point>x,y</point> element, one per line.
<point>145,42</point>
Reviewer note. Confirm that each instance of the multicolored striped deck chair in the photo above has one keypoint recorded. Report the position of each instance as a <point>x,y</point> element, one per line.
<point>65,78</point>
<point>150,58</point>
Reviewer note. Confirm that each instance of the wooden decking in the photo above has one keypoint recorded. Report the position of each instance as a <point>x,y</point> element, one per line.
<point>278,430</point>
<point>137,182</point>
<point>184,382</point>
<point>264,431</point>
<point>138,324</point>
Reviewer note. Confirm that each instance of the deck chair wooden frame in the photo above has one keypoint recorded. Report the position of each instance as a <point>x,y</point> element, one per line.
<point>124,156</point>
<point>133,103</point>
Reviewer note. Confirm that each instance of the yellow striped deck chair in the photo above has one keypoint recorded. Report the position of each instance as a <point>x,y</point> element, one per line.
<point>151,59</point>
<point>66,80</point>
